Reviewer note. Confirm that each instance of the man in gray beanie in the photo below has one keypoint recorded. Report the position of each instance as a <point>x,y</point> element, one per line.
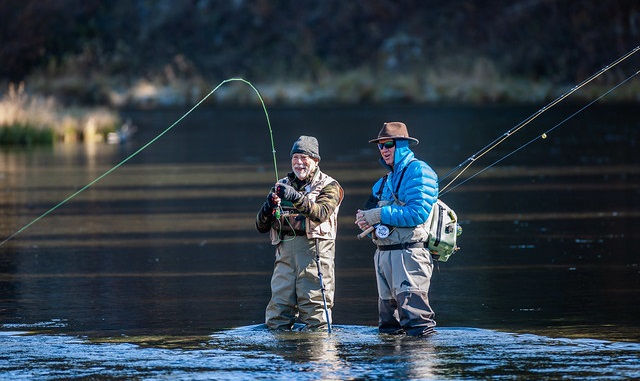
<point>307,145</point>
<point>301,215</point>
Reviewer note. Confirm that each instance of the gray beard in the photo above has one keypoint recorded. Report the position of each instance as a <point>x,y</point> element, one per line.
<point>303,174</point>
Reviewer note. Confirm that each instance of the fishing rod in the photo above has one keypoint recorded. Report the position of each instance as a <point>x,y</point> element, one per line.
<point>544,135</point>
<point>264,107</point>
<point>469,161</point>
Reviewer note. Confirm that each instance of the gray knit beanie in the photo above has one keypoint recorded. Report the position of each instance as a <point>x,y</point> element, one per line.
<point>307,145</point>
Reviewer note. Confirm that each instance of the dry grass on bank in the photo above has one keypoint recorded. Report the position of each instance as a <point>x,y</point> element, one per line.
<point>27,120</point>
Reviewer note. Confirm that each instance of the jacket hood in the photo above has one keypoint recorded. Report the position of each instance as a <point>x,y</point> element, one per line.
<point>402,155</point>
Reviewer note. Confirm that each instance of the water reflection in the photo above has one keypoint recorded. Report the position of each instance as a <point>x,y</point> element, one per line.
<point>348,352</point>
<point>161,253</point>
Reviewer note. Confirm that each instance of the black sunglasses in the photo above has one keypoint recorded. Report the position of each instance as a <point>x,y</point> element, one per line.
<point>390,144</point>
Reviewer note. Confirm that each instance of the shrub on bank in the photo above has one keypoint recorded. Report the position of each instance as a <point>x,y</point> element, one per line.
<point>31,120</point>
<point>24,135</point>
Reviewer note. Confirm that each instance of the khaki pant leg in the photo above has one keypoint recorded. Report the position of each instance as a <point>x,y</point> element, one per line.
<point>281,311</point>
<point>310,302</point>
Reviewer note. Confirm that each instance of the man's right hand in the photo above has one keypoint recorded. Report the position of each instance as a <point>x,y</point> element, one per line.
<point>272,202</point>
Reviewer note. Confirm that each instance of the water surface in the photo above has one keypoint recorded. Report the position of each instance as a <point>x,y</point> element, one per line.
<point>156,271</point>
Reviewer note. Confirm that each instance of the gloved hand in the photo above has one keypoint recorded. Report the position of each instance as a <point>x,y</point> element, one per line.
<point>287,192</point>
<point>271,202</point>
<point>371,216</point>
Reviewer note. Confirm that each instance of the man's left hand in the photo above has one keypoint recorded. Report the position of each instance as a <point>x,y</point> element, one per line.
<point>366,218</point>
<point>287,192</point>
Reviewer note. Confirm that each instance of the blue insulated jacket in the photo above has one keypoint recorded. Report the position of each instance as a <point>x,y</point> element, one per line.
<point>418,189</point>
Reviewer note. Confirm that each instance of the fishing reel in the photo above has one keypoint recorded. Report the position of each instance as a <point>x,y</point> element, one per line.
<point>382,231</point>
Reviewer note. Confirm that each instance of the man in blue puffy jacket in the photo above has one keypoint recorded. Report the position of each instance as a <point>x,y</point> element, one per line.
<point>398,210</point>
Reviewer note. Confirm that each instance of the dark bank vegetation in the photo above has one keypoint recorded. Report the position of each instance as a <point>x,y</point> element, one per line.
<point>146,53</point>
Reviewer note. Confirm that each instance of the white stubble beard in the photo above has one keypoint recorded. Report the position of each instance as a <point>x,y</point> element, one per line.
<point>303,171</point>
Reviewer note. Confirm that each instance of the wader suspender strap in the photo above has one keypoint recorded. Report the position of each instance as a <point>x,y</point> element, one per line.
<point>440,220</point>
<point>384,181</point>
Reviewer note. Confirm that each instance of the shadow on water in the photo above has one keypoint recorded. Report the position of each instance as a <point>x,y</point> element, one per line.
<point>130,278</point>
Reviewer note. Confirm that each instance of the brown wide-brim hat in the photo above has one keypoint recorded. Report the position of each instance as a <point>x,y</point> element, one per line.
<point>394,130</point>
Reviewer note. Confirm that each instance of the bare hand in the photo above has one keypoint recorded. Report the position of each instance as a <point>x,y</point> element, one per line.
<point>360,220</point>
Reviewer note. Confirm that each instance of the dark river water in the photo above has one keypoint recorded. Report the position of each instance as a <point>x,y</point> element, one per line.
<point>156,271</point>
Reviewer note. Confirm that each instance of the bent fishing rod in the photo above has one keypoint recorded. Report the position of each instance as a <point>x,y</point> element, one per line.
<point>264,107</point>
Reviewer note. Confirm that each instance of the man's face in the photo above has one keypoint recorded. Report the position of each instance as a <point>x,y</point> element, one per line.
<point>387,149</point>
<point>303,165</point>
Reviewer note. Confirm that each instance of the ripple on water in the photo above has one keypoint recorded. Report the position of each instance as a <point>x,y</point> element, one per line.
<point>254,352</point>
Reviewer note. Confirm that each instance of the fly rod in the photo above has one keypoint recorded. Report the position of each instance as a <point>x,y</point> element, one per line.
<point>264,107</point>
<point>545,134</point>
<point>469,161</point>
<point>462,167</point>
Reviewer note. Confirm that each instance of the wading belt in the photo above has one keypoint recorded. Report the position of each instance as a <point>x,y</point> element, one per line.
<point>403,246</point>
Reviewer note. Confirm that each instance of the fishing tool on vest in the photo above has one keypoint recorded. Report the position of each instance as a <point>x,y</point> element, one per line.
<point>264,107</point>
<point>289,222</point>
